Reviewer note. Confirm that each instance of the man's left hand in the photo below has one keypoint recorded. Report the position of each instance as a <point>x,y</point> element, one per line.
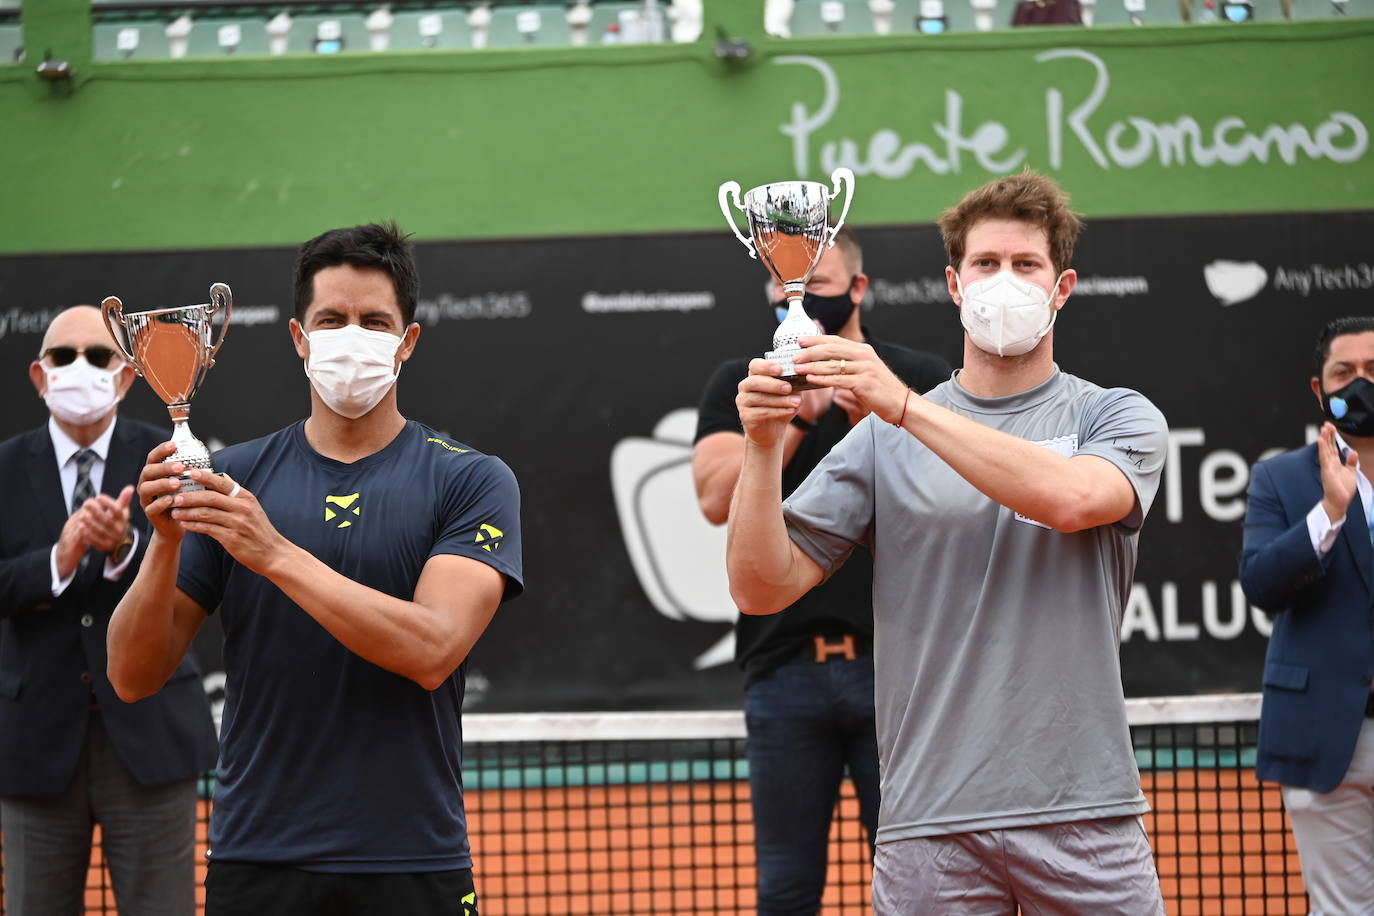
<point>237,522</point>
<point>852,367</point>
<point>107,519</point>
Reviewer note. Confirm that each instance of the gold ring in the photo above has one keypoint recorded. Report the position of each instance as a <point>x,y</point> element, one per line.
<point>841,367</point>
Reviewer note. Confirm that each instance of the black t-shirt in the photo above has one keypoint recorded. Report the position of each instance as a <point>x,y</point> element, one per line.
<point>844,602</point>
<point>327,761</point>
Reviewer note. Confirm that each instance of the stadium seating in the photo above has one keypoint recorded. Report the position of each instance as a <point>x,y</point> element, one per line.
<point>809,18</point>
<point>130,41</point>
<point>1154,12</point>
<point>11,43</point>
<point>958,14</point>
<point>206,37</point>
<point>525,26</point>
<point>430,29</point>
<point>305,33</point>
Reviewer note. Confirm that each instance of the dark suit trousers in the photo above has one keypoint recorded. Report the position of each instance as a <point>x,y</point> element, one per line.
<point>147,836</point>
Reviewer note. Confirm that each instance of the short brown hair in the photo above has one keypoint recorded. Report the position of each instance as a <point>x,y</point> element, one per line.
<point>848,242</point>
<point>1029,198</point>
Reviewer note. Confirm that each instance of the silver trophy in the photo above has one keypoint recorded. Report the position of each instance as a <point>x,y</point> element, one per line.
<point>171,349</point>
<point>789,230</point>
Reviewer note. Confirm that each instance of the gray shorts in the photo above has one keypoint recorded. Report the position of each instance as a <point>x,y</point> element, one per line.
<point>1081,868</point>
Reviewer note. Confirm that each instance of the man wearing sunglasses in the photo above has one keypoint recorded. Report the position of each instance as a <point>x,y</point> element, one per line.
<point>71,754</point>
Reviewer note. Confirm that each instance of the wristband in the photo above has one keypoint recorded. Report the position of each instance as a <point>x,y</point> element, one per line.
<point>804,425</point>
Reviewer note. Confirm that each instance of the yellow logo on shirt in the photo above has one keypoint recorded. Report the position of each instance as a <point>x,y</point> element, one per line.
<point>348,505</point>
<point>489,536</point>
<point>442,444</point>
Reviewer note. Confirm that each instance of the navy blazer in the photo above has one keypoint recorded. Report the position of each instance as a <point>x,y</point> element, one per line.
<point>52,650</point>
<point>1321,654</point>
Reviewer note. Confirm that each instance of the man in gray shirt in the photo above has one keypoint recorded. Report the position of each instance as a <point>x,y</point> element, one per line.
<point>1002,511</point>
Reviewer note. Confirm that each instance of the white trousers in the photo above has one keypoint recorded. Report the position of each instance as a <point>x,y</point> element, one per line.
<point>1335,835</point>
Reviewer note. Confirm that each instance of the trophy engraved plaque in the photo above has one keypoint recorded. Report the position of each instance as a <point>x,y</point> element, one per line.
<point>789,230</point>
<point>171,348</point>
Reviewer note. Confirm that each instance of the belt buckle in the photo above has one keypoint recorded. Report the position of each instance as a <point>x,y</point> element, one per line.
<point>844,648</point>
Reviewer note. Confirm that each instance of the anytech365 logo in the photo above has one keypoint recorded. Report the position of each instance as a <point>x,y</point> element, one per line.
<point>1234,281</point>
<point>348,507</point>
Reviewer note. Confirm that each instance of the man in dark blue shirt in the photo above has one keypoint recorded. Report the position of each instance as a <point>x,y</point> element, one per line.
<point>355,558</point>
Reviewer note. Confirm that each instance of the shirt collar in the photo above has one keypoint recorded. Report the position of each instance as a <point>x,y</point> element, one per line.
<point>65,448</point>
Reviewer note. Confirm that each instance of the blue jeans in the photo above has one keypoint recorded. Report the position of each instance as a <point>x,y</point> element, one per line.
<point>807,722</point>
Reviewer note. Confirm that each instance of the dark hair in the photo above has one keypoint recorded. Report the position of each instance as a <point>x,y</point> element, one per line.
<point>381,246</point>
<point>1338,327</point>
<point>1029,198</point>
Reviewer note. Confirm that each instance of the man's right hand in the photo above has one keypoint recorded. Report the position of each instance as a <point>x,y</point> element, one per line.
<point>766,403</point>
<point>72,544</point>
<point>157,486</point>
<point>1338,477</point>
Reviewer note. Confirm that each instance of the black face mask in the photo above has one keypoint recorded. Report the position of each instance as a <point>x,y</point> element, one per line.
<point>831,311</point>
<point>1351,408</point>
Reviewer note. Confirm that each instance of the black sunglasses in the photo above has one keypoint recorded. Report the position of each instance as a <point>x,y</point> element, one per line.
<point>64,356</point>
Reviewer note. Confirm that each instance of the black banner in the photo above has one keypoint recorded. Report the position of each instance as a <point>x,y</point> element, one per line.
<point>580,362</point>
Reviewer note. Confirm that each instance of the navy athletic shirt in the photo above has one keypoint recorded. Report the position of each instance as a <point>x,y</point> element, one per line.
<point>328,762</point>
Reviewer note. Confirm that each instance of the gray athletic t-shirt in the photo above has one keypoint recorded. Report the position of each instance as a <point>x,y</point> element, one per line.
<point>996,638</point>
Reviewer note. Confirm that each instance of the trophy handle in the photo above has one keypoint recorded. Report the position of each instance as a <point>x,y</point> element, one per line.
<point>732,188</point>
<point>221,297</point>
<point>111,309</point>
<point>841,176</point>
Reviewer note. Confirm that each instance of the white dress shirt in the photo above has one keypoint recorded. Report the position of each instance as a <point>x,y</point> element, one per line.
<point>66,450</point>
<point>1322,530</point>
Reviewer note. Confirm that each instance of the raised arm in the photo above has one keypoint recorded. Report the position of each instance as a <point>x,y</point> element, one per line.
<point>719,454</point>
<point>1278,560</point>
<point>767,570</point>
<point>1068,494</point>
<point>423,639</point>
<point>155,622</point>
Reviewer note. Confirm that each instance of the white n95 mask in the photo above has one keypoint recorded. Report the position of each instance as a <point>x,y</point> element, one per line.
<point>79,393</point>
<point>352,369</point>
<point>1005,315</point>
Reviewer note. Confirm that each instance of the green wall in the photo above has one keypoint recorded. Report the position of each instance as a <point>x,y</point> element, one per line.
<point>596,140</point>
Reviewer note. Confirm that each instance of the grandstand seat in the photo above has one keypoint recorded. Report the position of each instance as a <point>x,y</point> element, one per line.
<point>430,29</point>
<point>603,14</point>
<point>205,38</point>
<point>1151,12</point>
<point>305,30</point>
<point>11,43</point>
<point>809,18</point>
<point>550,26</point>
<point>958,14</point>
<point>130,41</point>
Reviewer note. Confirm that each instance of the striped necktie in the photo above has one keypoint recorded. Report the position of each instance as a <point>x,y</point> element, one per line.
<point>83,490</point>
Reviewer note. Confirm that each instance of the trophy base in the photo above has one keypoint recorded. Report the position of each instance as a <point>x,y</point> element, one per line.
<point>784,359</point>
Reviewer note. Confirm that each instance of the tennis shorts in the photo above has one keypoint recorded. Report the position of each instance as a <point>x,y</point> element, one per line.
<point>1099,867</point>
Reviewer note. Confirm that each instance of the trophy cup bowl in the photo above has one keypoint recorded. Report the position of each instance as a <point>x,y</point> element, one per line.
<point>171,348</point>
<point>789,230</point>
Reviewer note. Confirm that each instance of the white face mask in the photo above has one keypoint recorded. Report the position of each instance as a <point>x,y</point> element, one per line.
<point>79,393</point>
<point>352,369</point>
<point>1005,315</point>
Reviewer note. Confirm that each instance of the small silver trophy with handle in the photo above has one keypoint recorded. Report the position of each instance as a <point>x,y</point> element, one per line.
<point>171,349</point>
<point>789,230</point>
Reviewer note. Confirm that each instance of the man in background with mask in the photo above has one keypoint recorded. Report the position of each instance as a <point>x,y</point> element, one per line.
<point>355,557</point>
<point>808,672</point>
<point>1002,511</point>
<point>71,754</point>
<point>1307,560</point>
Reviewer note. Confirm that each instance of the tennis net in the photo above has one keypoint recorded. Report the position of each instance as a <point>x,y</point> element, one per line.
<point>648,813</point>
